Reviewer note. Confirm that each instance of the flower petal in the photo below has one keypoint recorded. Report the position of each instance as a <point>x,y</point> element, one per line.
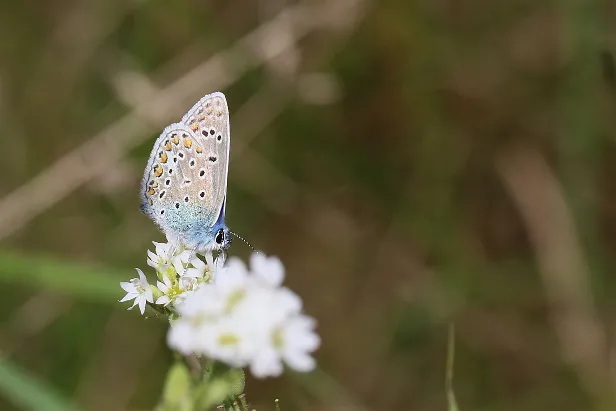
<point>300,361</point>
<point>129,287</point>
<point>142,279</point>
<point>198,263</point>
<point>141,304</point>
<point>266,364</point>
<point>162,286</point>
<point>269,269</point>
<point>164,300</point>
<point>128,296</point>
<point>149,297</point>
<point>193,273</point>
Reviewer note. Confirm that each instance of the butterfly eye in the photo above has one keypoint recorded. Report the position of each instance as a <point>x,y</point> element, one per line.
<point>220,236</point>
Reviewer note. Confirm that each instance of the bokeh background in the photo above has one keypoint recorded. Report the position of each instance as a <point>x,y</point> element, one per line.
<point>414,164</point>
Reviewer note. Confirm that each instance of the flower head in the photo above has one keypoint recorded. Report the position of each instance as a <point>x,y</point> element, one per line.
<point>246,318</point>
<point>228,311</point>
<point>139,290</point>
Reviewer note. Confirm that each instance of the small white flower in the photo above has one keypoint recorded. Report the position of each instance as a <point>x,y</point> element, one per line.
<point>192,273</point>
<point>174,291</point>
<point>160,260</point>
<point>165,287</point>
<point>292,344</point>
<point>200,310</point>
<point>139,290</point>
<point>228,341</point>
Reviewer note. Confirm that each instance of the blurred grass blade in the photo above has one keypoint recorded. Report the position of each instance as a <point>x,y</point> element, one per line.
<point>27,392</point>
<point>452,404</point>
<point>62,276</point>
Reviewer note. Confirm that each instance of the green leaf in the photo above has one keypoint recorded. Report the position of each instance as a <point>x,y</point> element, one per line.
<point>236,380</point>
<point>224,384</point>
<point>62,276</point>
<point>27,392</point>
<point>178,387</point>
<point>212,393</point>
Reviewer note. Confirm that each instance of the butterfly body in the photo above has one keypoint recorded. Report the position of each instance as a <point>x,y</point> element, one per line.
<point>184,186</point>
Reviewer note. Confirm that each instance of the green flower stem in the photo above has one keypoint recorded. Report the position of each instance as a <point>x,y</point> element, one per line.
<point>243,402</point>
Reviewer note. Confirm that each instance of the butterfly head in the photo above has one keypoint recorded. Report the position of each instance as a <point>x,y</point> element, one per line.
<point>222,238</point>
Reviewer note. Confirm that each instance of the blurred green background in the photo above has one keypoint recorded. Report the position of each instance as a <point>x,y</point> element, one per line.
<point>413,163</point>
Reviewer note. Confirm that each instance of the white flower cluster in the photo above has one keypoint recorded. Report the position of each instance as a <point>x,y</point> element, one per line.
<point>228,312</point>
<point>246,318</point>
<point>179,273</point>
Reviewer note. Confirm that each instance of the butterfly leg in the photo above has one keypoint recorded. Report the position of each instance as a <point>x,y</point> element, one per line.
<point>193,254</point>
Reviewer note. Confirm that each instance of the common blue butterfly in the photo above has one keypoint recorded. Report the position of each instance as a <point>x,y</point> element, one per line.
<point>184,186</point>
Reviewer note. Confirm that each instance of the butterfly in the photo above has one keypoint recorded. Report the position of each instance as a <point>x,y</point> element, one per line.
<point>184,185</point>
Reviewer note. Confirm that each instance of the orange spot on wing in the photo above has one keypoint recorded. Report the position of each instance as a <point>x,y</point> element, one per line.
<point>163,158</point>
<point>187,142</point>
<point>199,149</point>
<point>194,127</point>
<point>150,201</point>
<point>176,140</point>
<point>151,191</point>
<point>158,171</point>
<point>168,146</point>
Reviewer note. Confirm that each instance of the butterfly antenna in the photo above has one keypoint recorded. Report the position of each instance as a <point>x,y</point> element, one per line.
<point>241,238</point>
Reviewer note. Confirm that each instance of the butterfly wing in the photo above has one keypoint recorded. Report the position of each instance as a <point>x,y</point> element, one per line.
<point>184,186</point>
<point>209,121</point>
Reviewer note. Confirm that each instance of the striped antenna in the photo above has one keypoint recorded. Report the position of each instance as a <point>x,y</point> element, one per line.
<point>246,242</point>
